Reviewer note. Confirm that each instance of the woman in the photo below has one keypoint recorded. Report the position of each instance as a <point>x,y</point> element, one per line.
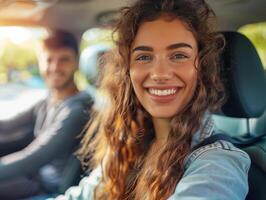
<point>161,85</point>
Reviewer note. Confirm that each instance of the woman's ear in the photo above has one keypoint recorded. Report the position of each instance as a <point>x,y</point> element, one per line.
<point>196,62</point>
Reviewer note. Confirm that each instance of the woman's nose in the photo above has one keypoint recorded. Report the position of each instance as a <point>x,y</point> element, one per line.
<point>160,77</point>
<point>161,72</point>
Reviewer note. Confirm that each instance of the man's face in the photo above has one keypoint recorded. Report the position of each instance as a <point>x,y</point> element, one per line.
<point>58,66</point>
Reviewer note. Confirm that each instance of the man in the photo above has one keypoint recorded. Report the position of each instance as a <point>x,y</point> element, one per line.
<point>57,122</point>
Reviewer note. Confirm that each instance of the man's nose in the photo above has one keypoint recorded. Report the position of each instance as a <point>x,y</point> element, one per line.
<point>54,66</point>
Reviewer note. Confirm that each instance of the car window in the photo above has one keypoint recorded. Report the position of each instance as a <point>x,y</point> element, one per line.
<point>20,82</point>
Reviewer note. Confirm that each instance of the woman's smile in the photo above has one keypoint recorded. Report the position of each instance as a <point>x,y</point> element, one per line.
<point>163,95</point>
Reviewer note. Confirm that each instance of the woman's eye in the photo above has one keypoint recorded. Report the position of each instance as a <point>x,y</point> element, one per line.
<point>179,56</point>
<point>143,58</point>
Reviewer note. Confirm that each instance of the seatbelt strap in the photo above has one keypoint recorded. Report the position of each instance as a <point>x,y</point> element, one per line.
<point>238,142</point>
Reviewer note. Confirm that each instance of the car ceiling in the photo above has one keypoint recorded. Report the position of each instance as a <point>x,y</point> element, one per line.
<point>79,15</point>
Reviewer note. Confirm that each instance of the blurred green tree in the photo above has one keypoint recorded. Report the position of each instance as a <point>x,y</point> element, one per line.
<point>17,58</point>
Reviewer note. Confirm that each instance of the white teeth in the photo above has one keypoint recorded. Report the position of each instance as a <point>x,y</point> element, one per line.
<point>162,92</point>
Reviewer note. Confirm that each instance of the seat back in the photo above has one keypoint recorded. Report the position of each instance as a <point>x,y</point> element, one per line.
<point>245,84</point>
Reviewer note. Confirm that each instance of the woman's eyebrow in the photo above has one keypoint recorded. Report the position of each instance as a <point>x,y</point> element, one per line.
<point>142,48</point>
<point>170,47</point>
<point>178,45</point>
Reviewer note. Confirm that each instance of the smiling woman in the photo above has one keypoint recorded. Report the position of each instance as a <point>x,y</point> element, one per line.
<point>162,81</point>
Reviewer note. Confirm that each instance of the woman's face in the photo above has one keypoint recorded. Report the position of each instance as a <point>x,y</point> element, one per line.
<point>163,62</point>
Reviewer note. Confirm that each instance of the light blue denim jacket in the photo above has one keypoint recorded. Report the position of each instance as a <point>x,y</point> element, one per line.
<point>218,171</point>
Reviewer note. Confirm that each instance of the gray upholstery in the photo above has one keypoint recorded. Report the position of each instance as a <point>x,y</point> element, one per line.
<point>258,125</point>
<point>246,86</point>
<point>245,79</point>
<point>235,127</point>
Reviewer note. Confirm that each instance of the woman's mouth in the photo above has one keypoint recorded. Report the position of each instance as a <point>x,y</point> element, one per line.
<point>160,92</point>
<point>163,95</point>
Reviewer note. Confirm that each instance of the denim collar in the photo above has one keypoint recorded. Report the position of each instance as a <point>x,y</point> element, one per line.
<point>206,129</point>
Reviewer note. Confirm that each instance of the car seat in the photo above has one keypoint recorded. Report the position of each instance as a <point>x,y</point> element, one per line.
<point>245,83</point>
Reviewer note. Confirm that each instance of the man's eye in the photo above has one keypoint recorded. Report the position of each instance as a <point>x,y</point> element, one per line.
<point>143,58</point>
<point>64,60</point>
<point>49,60</point>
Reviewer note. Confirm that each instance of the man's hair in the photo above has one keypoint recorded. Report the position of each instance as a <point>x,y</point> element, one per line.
<point>60,38</point>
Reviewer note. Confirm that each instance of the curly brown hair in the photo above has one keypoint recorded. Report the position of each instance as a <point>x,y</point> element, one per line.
<point>124,129</point>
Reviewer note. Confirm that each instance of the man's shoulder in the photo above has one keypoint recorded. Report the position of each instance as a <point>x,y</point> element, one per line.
<point>78,104</point>
<point>40,104</point>
<point>80,98</point>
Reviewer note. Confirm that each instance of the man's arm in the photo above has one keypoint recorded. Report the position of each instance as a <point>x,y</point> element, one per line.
<point>15,140</point>
<point>58,139</point>
<point>17,132</point>
<point>85,189</point>
<point>27,117</point>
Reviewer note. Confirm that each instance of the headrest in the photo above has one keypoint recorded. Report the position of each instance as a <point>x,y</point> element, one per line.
<point>89,59</point>
<point>244,77</point>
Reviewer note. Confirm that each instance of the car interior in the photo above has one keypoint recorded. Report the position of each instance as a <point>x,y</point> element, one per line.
<point>243,116</point>
<point>245,81</point>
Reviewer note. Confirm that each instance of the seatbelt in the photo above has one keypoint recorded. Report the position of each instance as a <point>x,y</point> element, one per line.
<point>238,142</point>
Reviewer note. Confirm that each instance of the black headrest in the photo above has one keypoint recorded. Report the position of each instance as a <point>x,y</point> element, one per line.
<point>244,78</point>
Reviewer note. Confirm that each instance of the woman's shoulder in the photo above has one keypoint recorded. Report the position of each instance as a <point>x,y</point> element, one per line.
<point>215,171</point>
<point>220,151</point>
